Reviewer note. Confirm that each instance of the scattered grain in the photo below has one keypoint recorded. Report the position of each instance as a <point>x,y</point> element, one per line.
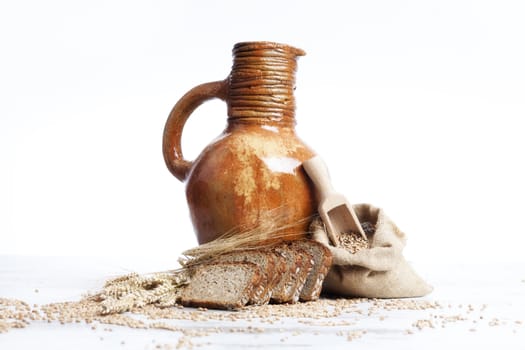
<point>494,322</point>
<point>15,313</point>
<point>421,324</point>
<point>353,335</point>
<point>144,298</point>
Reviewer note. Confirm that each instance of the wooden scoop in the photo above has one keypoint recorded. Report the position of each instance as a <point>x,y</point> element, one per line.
<point>335,211</point>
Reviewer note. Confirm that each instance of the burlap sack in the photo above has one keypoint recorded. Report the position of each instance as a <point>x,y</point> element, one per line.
<point>378,272</point>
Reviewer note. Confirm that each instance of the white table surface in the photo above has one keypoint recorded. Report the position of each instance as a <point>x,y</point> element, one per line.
<point>496,293</point>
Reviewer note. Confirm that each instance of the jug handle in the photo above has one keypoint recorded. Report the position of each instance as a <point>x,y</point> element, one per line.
<point>171,141</point>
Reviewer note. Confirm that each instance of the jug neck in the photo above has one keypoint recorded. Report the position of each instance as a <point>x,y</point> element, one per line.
<point>262,82</point>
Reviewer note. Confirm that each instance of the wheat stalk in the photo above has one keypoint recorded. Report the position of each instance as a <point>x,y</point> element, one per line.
<point>163,289</point>
<point>271,228</point>
<point>133,290</point>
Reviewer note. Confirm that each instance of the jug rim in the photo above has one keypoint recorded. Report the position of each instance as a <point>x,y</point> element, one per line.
<point>268,45</point>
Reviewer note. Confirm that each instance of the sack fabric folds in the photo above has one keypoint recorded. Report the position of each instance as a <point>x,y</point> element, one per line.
<point>380,271</point>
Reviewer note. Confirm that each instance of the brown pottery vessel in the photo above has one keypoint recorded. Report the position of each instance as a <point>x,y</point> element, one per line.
<point>252,171</point>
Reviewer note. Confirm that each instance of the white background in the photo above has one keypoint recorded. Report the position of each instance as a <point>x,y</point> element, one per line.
<point>416,106</point>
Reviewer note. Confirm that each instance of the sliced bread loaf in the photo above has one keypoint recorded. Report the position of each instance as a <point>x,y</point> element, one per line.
<point>224,285</point>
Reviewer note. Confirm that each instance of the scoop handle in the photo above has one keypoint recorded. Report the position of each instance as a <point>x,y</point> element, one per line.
<point>318,172</point>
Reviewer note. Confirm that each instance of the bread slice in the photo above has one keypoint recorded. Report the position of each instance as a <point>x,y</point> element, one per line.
<point>299,264</point>
<point>307,266</point>
<point>284,289</point>
<point>280,268</point>
<point>224,285</point>
<point>322,258</point>
<point>264,261</point>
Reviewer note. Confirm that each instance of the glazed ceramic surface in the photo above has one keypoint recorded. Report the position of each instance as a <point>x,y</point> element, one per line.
<point>251,173</point>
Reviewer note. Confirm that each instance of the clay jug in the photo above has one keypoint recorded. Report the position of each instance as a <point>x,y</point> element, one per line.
<point>253,169</point>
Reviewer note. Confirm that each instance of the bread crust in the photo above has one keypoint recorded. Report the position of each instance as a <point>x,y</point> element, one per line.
<point>284,290</point>
<point>314,282</point>
<point>307,266</point>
